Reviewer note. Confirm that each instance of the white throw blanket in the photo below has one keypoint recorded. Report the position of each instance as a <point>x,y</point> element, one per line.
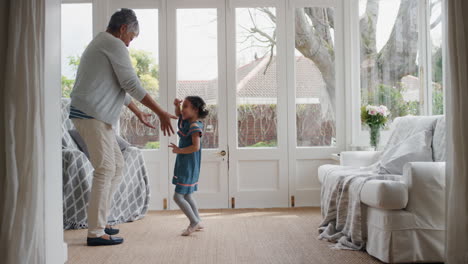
<point>343,216</point>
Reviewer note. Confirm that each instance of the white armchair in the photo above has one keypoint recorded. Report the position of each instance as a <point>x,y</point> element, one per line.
<point>405,219</point>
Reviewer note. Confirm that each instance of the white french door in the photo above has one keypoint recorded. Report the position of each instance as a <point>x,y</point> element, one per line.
<point>152,39</point>
<point>196,61</point>
<point>315,123</point>
<point>257,105</point>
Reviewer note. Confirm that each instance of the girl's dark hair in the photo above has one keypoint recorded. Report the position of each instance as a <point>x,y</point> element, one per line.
<point>198,103</point>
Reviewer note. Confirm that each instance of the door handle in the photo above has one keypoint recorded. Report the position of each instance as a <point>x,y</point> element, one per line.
<point>222,153</point>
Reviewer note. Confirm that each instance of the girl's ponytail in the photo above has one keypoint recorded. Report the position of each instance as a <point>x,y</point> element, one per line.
<point>198,103</point>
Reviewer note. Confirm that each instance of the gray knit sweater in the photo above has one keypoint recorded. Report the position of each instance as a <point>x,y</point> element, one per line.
<point>105,76</point>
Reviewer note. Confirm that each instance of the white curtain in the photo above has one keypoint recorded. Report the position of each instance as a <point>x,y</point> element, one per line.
<point>22,233</point>
<point>457,123</point>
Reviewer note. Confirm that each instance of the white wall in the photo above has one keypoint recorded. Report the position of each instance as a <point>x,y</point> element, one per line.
<point>56,250</point>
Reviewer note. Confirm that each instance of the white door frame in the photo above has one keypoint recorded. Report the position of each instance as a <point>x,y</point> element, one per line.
<point>54,245</point>
<point>304,161</point>
<point>275,195</point>
<point>156,160</point>
<point>218,196</point>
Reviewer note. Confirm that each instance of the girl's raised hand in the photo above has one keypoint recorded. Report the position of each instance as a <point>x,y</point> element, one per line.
<point>175,149</point>
<point>177,102</point>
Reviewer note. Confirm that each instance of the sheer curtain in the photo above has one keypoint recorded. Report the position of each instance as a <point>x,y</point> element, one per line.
<point>457,123</point>
<point>22,232</point>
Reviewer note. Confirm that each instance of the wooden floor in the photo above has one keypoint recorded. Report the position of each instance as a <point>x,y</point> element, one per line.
<point>231,236</point>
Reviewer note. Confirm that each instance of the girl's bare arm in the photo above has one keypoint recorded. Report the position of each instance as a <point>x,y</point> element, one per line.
<point>190,149</point>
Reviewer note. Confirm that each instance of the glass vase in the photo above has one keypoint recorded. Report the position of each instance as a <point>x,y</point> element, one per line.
<point>374,136</point>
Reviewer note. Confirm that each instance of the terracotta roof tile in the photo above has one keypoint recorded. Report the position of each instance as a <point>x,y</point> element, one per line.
<point>254,82</point>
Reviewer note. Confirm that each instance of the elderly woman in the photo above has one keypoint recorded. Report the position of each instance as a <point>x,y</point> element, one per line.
<point>105,82</point>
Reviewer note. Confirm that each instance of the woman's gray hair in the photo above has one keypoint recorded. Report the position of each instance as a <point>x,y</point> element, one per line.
<point>124,16</point>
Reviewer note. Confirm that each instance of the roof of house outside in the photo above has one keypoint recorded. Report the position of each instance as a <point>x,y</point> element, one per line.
<point>255,85</point>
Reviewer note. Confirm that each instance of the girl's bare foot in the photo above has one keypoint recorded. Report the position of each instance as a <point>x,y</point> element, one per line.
<point>201,227</point>
<point>190,229</point>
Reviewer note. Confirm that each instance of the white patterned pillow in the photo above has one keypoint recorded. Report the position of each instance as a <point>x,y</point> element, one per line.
<point>406,126</point>
<point>412,149</point>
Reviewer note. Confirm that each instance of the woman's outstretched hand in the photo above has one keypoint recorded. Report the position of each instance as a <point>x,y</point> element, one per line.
<point>166,126</point>
<point>144,118</point>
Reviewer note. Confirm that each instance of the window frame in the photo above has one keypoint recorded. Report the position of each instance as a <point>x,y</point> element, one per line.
<point>107,7</point>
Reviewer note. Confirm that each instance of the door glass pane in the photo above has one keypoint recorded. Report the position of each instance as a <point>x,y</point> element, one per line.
<point>77,32</point>
<point>256,74</point>
<point>389,56</point>
<point>197,64</point>
<point>315,76</point>
<point>144,53</point>
<point>436,57</point>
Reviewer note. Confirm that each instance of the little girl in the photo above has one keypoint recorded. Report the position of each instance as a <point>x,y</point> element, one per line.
<point>187,166</point>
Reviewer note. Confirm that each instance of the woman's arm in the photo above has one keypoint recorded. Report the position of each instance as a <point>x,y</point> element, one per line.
<point>142,116</point>
<point>190,149</point>
<point>164,117</point>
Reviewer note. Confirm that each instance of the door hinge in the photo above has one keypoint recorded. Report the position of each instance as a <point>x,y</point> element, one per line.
<point>292,201</point>
<point>233,202</point>
<point>165,203</point>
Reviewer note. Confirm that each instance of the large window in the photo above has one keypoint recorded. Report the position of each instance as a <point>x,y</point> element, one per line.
<point>77,32</point>
<point>398,63</point>
<point>144,56</point>
<point>390,55</point>
<point>256,77</point>
<point>315,76</point>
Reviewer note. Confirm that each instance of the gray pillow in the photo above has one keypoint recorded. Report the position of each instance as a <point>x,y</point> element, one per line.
<point>415,148</point>
<point>123,145</point>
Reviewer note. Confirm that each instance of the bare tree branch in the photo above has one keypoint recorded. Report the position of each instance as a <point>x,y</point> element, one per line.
<point>270,14</point>
<point>433,4</point>
<point>269,60</point>
<point>436,22</point>
<point>263,34</point>
<point>310,44</point>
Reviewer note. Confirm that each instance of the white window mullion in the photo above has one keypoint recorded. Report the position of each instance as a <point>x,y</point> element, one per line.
<point>352,53</point>
<point>424,60</point>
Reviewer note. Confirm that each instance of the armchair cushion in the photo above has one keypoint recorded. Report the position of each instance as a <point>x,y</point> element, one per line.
<point>359,158</point>
<point>383,194</point>
<point>407,126</point>
<point>414,148</point>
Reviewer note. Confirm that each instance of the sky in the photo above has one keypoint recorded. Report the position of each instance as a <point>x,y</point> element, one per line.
<point>77,32</point>
<point>197,39</point>
<point>197,35</point>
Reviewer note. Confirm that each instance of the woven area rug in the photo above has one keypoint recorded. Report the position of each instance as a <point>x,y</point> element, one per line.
<point>231,236</point>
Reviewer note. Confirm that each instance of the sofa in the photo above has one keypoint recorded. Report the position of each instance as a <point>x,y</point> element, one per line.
<point>404,220</point>
<point>130,201</point>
